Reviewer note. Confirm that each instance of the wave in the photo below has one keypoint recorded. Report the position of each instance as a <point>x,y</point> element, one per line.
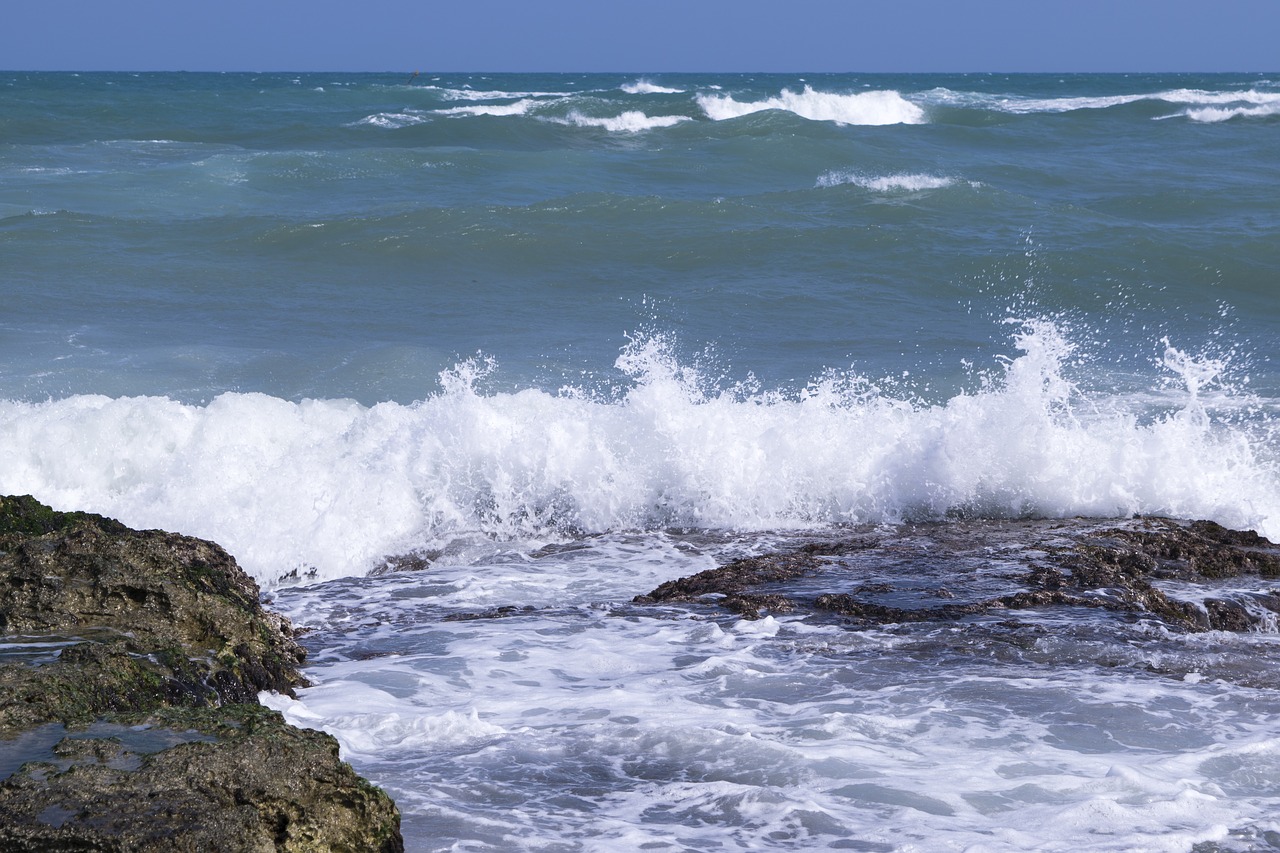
<point>1213,115</point>
<point>631,121</point>
<point>519,108</point>
<point>332,487</point>
<point>450,94</point>
<point>1245,102</point>
<point>862,108</point>
<point>391,121</point>
<point>644,87</point>
<point>886,183</point>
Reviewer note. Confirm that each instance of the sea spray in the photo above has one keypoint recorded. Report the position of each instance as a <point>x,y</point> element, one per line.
<point>331,487</point>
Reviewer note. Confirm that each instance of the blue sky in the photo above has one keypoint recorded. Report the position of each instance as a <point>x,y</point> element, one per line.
<point>642,35</point>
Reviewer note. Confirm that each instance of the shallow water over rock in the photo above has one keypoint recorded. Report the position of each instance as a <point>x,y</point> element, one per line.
<point>1057,684</point>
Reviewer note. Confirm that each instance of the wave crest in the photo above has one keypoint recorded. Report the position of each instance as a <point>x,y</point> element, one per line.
<point>391,121</point>
<point>631,121</point>
<point>1198,104</point>
<point>862,108</point>
<point>518,108</point>
<point>886,183</point>
<point>333,487</point>
<point>645,87</point>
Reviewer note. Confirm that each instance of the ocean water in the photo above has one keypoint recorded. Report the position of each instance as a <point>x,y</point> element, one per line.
<point>420,346</point>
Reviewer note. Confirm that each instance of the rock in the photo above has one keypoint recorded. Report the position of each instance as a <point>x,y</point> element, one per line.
<point>252,783</point>
<point>171,620</point>
<point>161,641</point>
<point>893,576</point>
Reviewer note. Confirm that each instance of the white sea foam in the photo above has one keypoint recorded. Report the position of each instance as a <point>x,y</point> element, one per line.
<point>631,121</point>
<point>771,735</point>
<point>518,108</point>
<point>1217,114</point>
<point>905,182</point>
<point>392,121</point>
<point>331,486</point>
<point>863,108</point>
<point>1195,101</point>
<point>645,87</point>
<point>450,94</point>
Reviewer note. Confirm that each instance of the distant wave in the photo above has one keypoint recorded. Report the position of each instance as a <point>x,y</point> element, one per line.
<point>492,95</point>
<point>631,121</point>
<point>886,183</point>
<point>518,108</point>
<point>644,87</point>
<point>391,121</point>
<point>862,108</point>
<point>1198,104</point>
<point>1217,114</point>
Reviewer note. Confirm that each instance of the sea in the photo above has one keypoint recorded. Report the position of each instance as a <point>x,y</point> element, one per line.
<point>422,348</point>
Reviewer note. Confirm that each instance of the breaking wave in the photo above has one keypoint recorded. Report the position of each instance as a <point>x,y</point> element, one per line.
<point>392,121</point>
<point>644,87</point>
<point>1196,104</point>
<point>519,108</point>
<point>886,183</point>
<point>631,121</point>
<point>333,487</point>
<point>863,108</point>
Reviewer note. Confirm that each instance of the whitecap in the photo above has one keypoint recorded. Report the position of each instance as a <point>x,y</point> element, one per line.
<point>645,87</point>
<point>631,121</point>
<point>903,182</point>
<point>449,94</point>
<point>518,108</point>
<point>1213,115</point>
<point>391,121</point>
<point>862,108</point>
<point>1195,99</point>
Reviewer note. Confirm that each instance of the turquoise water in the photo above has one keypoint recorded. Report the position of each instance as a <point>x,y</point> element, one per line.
<point>331,319</point>
<point>353,235</point>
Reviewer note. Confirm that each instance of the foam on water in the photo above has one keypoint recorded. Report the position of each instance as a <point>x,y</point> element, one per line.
<point>392,121</point>
<point>1200,104</point>
<point>862,108</point>
<point>631,121</point>
<point>886,183</point>
<point>646,87</point>
<point>570,723</point>
<point>1217,114</point>
<point>455,94</point>
<point>332,487</point>
<point>519,108</point>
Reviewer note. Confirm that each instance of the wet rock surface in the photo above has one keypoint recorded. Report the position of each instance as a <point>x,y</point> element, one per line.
<point>239,779</point>
<point>1189,576</point>
<point>129,669</point>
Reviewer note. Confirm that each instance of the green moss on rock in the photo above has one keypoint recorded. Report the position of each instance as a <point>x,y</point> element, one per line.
<point>160,630</point>
<point>257,785</point>
<point>183,604</point>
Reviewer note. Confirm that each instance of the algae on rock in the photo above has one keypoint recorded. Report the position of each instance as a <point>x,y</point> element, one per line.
<point>158,633</point>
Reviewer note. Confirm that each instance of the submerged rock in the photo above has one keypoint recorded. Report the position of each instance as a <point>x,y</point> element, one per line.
<point>161,639</point>
<point>1179,573</point>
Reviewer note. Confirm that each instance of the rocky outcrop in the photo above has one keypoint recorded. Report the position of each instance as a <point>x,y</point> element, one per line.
<point>128,714</point>
<point>239,780</point>
<point>1179,573</point>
